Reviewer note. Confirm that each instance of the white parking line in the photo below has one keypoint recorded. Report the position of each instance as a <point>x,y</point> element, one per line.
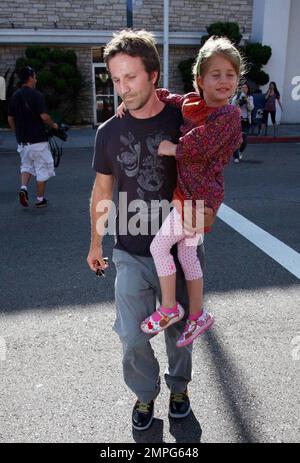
<point>280,252</point>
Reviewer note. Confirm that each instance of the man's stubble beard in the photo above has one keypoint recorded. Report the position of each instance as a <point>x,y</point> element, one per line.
<point>136,106</point>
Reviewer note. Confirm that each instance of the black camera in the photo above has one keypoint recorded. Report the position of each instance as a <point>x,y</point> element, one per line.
<point>60,133</point>
<point>55,147</point>
<point>243,100</point>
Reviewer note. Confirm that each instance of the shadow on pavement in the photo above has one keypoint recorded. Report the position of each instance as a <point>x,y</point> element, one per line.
<point>187,430</point>
<point>238,398</point>
<point>153,435</point>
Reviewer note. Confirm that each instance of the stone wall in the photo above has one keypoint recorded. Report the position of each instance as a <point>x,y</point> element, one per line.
<point>176,55</point>
<point>185,15</point>
<point>9,55</point>
<point>84,62</point>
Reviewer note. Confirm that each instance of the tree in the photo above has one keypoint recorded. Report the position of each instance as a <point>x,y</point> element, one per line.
<point>257,55</point>
<point>59,79</point>
<point>224,29</point>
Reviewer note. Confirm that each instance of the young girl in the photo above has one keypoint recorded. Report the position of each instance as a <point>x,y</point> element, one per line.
<point>210,134</point>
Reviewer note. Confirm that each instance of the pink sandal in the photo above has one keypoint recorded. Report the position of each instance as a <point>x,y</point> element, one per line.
<point>194,328</point>
<point>161,321</point>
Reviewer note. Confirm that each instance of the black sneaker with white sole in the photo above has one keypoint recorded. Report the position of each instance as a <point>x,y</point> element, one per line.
<point>179,406</point>
<point>142,415</point>
<point>23,197</point>
<point>42,203</point>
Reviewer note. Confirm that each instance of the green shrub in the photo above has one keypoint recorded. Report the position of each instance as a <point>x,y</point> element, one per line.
<point>46,78</point>
<point>57,55</point>
<point>21,63</point>
<point>224,29</point>
<point>60,85</point>
<point>185,68</point>
<point>58,79</point>
<point>257,53</point>
<point>70,57</point>
<point>258,76</point>
<point>37,52</point>
<point>65,70</point>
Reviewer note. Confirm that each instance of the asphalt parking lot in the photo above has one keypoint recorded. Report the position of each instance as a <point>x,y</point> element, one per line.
<point>61,377</point>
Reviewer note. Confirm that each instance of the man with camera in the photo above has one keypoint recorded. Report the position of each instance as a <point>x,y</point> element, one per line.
<point>244,101</point>
<point>27,116</point>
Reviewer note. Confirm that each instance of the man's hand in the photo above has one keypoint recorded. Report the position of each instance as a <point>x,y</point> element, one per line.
<point>209,217</point>
<point>48,121</point>
<point>95,259</point>
<point>167,148</point>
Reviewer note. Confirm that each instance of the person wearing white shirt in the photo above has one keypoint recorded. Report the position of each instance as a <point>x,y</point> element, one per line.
<point>2,89</point>
<point>245,102</point>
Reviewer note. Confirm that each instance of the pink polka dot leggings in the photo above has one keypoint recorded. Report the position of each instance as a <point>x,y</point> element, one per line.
<point>172,232</point>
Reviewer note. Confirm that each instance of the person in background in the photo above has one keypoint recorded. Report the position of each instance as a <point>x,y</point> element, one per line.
<point>257,113</point>
<point>27,116</point>
<point>271,97</point>
<point>243,100</point>
<point>2,98</point>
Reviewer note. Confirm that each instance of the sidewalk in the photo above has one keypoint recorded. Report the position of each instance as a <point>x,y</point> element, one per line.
<point>286,133</point>
<point>83,137</point>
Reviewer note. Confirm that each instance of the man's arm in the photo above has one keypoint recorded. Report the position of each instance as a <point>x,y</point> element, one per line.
<point>11,123</point>
<point>167,97</point>
<point>48,121</point>
<point>102,191</point>
<point>279,102</point>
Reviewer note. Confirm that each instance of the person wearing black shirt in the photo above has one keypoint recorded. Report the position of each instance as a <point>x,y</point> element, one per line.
<point>27,115</point>
<point>126,154</point>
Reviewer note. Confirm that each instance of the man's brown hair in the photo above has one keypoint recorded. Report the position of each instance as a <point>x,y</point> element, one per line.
<point>134,43</point>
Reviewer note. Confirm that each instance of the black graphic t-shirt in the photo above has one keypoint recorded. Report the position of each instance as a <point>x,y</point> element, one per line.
<point>127,149</point>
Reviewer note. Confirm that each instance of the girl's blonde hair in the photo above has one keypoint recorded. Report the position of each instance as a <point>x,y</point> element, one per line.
<point>217,46</point>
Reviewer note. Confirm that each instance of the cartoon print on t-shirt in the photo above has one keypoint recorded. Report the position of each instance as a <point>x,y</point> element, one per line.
<point>148,168</point>
<point>153,142</point>
<point>150,176</point>
<point>130,158</point>
<point>151,173</point>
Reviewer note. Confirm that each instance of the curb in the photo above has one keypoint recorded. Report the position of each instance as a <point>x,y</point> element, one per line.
<point>265,139</point>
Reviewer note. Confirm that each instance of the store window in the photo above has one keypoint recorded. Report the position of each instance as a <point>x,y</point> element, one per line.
<point>105,100</point>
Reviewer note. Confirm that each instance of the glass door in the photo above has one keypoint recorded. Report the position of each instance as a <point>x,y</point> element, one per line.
<point>104,98</point>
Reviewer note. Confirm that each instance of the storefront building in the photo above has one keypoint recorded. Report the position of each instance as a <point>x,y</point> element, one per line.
<point>86,27</point>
